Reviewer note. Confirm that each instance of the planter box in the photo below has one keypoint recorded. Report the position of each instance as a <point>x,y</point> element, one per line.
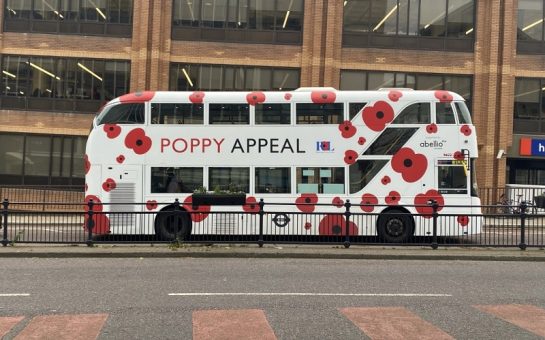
<point>218,199</point>
<point>539,201</point>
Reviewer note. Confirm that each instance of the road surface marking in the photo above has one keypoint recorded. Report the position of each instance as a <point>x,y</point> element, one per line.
<point>311,294</point>
<point>64,327</point>
<point>7,323</point>
<point>10,295</point>
<point>392,323</point>
<point>244,324</point>
<point>530,318</point>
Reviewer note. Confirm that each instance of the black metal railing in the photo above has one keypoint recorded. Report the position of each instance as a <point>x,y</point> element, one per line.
<point>261,223</point>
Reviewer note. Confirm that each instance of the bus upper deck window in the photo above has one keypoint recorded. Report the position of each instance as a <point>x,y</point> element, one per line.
<point>418,113</point>
<point>464,116</point>
<point>122,114</point>
<point>444,114</point>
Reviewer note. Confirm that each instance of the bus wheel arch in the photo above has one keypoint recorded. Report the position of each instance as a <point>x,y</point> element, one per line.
<point>171,225</point>
<point>395,225</point>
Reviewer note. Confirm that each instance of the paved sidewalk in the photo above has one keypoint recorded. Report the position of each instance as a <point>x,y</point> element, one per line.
<point>275,251</point>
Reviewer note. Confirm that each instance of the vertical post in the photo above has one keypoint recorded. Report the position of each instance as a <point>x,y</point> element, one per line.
<point>5,205</point>
<point>261,241</point>
<point>435,215</point>
<point>177,227</point>
<point>90,222</point>
<point>347,215</point>
<point>522,209</point>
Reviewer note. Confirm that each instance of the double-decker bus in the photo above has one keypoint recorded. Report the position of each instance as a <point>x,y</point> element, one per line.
<point>388,151</point>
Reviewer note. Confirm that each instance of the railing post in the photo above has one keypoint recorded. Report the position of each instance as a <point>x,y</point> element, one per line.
<point>90,222</point>
<point>347,215</point>
<point>435,215</point>
<point>261,241</point>
<point>177,211</point>
<point>522,209</point>
<point>5,205</point>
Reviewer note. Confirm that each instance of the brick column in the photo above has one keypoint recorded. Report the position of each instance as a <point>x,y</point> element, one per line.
<point>141,33</point>
<point>313,43</point>
<point>160,44</point>
<point>333,44</point>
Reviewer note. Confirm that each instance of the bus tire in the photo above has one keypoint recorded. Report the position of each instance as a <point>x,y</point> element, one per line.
<point>171,225</point>
<point>395,226</point>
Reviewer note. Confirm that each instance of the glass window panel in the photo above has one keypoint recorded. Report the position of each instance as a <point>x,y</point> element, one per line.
<point>214,13</point>
<point>355,108</point>
<point>320,113</point>
<point>37,155</point>
<point>432,17</point>
<point>66,156</point>
<point>186,13</point>
<point>414,10</point>
<point>353,80</point>
<point>444,114</point>
<point>56,157</point>
<point>460,18</point>
<point>429,82</point>
<point>69,9</point>
<point>18,9</point>
<point>460,85</point>
<point>379,80</point>
<point>272,114</point>
<point>320,180</point>
<point>289,15</point>
<point>125,11</point>
<point>390,141</point>
<point>527,95</point>
<point>464,116</point>
<point>175,180</point>
<point>229,114</point>
<point>272,180</point>
<point>93,10</point>
<point>418,113</point>
<point>530,20</point>
<point>210,78</point>
<point>122,114</point>
<point>43,76</point>
<point>285,80</point>
<point>356,16</point>
<point>403,17</point>
<point>46,10</point>
<point>363,171</point>
<point>230,179</point>
<point>15,76</point>
<point>400,80</point>
<point>262,14</point>
<point>77,157</point>
<point>177,113</point>
<point>410,81</point>
<point>452,179</point>
<point>237,14</point>
<point>90,78</point>
<point>384,16</point>
<point>11,154</point>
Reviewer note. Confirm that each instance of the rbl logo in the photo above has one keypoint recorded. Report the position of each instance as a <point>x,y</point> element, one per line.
<point>324,146</point>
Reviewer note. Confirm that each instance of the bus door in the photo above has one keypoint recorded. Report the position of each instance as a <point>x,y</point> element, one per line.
<point>123,188</point>
<point>453,181</point>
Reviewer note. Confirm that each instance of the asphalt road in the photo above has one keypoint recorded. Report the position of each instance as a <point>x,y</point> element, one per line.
<point>295,298</point>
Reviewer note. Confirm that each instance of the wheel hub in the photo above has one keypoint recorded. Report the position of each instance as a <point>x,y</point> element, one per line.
<point>395,227</point>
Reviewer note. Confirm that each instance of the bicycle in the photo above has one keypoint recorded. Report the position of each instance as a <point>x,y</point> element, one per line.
<point>511,207</point>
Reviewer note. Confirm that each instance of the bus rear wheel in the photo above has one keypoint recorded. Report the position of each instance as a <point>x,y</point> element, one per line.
<point>395,226</point>
<point>171,225</point>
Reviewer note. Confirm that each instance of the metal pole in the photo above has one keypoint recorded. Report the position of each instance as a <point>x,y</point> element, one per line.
<point>5,205</point>
<point>347,215</point>
<point>90,223</point>
<point>435,215</point>
<point>522,209</point>
<point>261,241</point>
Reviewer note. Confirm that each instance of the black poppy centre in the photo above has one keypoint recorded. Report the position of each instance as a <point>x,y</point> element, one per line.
<point>408,163</point>
<point>380,114</point>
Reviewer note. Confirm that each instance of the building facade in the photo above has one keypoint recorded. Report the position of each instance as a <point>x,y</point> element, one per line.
<point>62,59</point>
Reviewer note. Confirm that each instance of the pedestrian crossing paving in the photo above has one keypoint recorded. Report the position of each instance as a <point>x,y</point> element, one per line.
<point>374,322</point>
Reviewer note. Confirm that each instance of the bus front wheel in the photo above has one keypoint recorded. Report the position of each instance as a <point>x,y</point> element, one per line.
<point>171,225</point>
<point>395,226</point>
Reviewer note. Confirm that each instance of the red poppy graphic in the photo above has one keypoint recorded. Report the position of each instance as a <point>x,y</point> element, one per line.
<point>347,129</point>
<point>196,97</point>
<point>86,164</point>
<point>443,96</point>
<point>458,155</point>
<point>466,130</point>
<point>421,202</point>
<point>306,202</point>
<point>251,206</point>
<point>394,95</point>
<point>287,96</point>
<point>431,128</point>
<point>338,202</point>
<point>409,164</point>
<point>377,116</point>
<point>100,224</point>
<point>323,97</point>
<point>386,180</point>
<point>308,225</point>
<point>199,214</point>
<point>368,202</point>
<point>120,159</point>
<point>138,97</point>
<point>138,141</point>
<point>361,140</point>
<point>97,204</point>
<point>112,130</point>
<point>393,198</point>
<point>335,225</point>
<point>151,205</point>
<point>463,220</point>
<point>109,185</point>
<point>350,156</point>
<point>254,98</point>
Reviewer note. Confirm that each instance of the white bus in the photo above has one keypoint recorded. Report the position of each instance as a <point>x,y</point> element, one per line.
<point>390,150</point>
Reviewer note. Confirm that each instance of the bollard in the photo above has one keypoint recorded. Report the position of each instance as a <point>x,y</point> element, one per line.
<point>261,241</point>
<point>522,208</point>
<point>435,215</point>
<point>5,205</point>
<point>347,215</point>
<point>90,223</point>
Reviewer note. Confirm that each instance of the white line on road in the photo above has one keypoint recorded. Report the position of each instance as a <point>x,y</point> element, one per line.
<point>310,294</point>
<point>10,295</point>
